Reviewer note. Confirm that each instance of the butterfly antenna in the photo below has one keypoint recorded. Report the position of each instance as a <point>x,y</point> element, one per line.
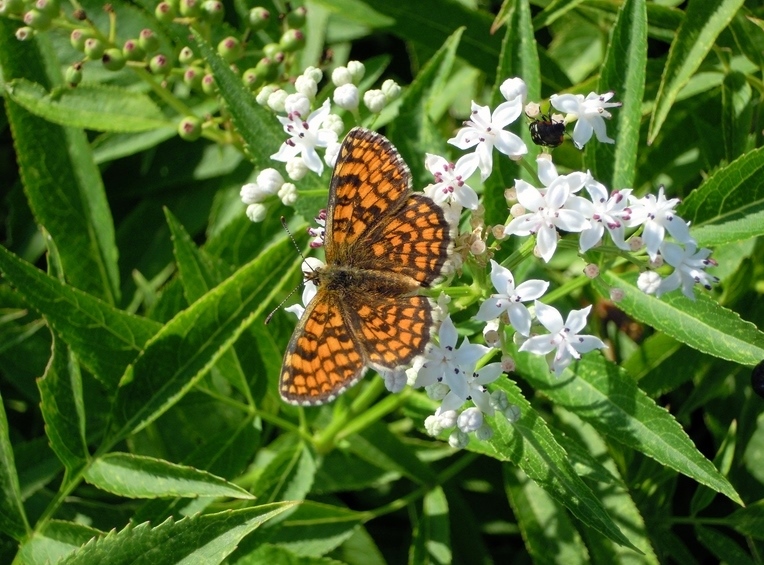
<point>291,292</point>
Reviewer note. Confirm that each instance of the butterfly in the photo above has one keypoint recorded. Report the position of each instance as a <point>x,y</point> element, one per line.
<point>383,243</point>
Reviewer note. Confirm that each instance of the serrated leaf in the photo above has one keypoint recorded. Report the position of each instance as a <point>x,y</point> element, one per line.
<point>314,529</point>
<point>63,408</point>
<point>610,401</point>
<point>89,106</point>
<point>197,539</point>
<point>623,72</point>
<point>703,21</point>
<point>138,476</point>
<point>192,342</point>
<point>258,127</point>
<point>703,324</point>
<point>432,543</point>
<point>62,183</point>
<point>104,338</point>
<point>56,540</point>
<point>13,520</point>
<point>542,521</point>
<point>530,445</point>
<point>729,205</point>
<point>267,553</point>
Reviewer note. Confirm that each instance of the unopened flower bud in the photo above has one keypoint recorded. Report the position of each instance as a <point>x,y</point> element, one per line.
<point>133,51</point>
<point>73,75</point>
<point>296,17</point>
<point>37,20</point>
<point>258,18</point>
<point>592,271</point>
<point>230,49</point>
<point>375,100</point>
<point>159,64</point>
<point>186,56</point>
<point>341,76</point>
<point>164,12</point>
<point>193,76</point>
<point>190,128</point>
<point>208,84</point>
<point>357,70</point>
<point>148,40</point>
<point>113,59</point>
<point>94,48</point>
<point>256,212</point>
<point>346,96</point>
<point>292,40</point>
<point>78,37</point>
<point>391,89</point>
<point>306,86</point>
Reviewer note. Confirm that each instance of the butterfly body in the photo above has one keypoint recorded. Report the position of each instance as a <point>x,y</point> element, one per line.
<point>383,243</point>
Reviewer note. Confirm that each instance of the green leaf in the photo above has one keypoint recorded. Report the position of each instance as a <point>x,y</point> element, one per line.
<point>412,131</point>
<point>288,476</point>
<point>703,21</point>
<point>703,324</point>
<point>66,194</point>
<point>727,207</point>
<point>547,529</point>
<point>13,520</point>
<point>63,407</point>
<point>314,529</point>
<point>89,106</point>
<point>610,401</point>
<point>432,543</point>
<point>138,476</point>
<point>56,540</point>
<point>258,127</point>
<point>749,521</point>
<point>623,72</point>
<point>192,342</point>
<point>737,114</point>
<point>103,338</point>
<point>207,538</point>
<point>530,445</point>
<point>723,547</point>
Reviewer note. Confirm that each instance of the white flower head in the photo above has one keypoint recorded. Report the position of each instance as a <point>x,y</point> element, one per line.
<point>690,266</point>
<point>475,390</point>
<point>346,96</point>
<point>451,180</point>
<point>548,211</point>
<point>510,299</point>
<point>562,336</point>
<point>448,363</point>
<point>485,130</point>
<point>589,112</point>
<point>658,216</point>
<point>611,213</point>
<point>305,137</point>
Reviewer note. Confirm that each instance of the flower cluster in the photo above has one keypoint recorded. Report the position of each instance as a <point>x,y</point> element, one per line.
<point>516,317</point>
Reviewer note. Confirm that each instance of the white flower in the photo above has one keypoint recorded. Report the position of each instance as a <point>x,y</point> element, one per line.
<point>395,381</point>
<point>270,180</point>
<point>603,212</point>
<point>314,74</point>
<point>305,137</point>
<point>356,70</point>
<point>512,88</point>
<point>484,131</point>
<point>475,390</point>
<point>491,333</point>
<point>447,363</point>
<point>391,89</point>
<point>563,336</point>
<point>277,99</point>
<point>590,112</point>
<point>297,105</point>
<point>319,233</point>
<point>649,282</point>
<point>510,299</point>
<point>450,180</point>
<point>689,269</point>
<point>658,216</point>
<point>458,439</point>
<point>256,212</point>
<point>296,168</point>
<point>341,75</point>
<point>470,420</point>
<point>346,96</point>
<point>288,194</point>
<point>375,100</point>
<point>546,212</point>
<point>306,86</point>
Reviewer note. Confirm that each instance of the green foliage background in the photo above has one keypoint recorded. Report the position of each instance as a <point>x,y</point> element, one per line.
<point>140,419</point>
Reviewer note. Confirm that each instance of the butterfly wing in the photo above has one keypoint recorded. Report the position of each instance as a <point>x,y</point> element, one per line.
<point>322,359</point>
<point>370,181</point>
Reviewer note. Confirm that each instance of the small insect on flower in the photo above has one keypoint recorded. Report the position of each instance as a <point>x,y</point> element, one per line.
<point>547,132</point>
